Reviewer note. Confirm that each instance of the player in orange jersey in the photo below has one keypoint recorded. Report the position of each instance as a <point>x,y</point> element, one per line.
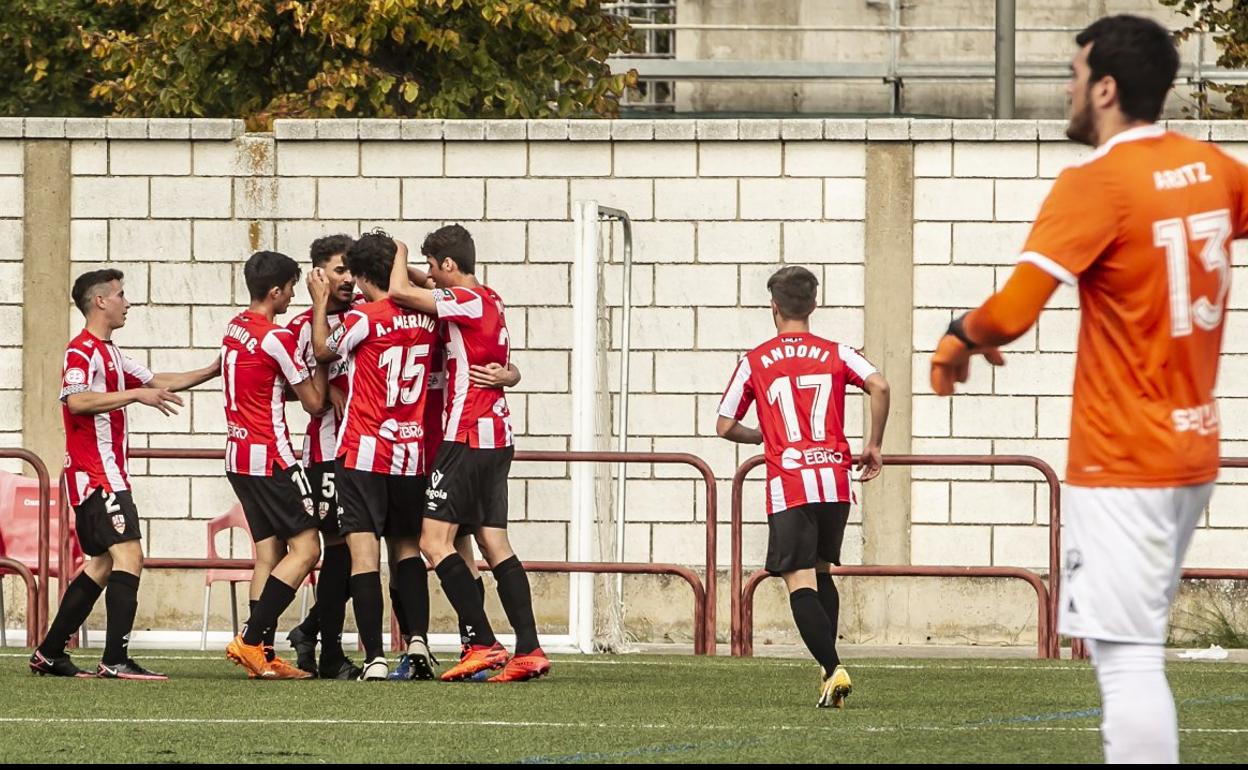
<point>1142,226</point>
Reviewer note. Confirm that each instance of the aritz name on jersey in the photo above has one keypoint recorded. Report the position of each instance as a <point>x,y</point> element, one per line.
<point>236,332</point>
<point>803,350</point>
<point>792,459</point>
<point>408,321</point>
<point>1183,176</point>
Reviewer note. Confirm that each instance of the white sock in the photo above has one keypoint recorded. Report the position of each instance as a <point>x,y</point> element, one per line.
<point>1140,724</point>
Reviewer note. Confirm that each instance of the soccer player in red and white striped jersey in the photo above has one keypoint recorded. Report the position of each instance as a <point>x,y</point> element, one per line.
<point>468,486</point>
<point>97,383</point>
<point>798,381</point>
<point>320,446</point>
<point>258,363</point>
<point>381,464</point>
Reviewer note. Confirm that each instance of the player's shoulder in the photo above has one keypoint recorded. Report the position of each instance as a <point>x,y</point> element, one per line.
<point>84,342</point>
<point>300,321</point>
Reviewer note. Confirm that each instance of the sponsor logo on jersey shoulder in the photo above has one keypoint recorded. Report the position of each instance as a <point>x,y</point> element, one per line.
<point>75,377</point>
<point>791,459</point>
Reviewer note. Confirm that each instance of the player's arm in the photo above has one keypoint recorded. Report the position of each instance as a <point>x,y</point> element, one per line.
<point>318,289</point>
<point>339,401</point>
<point>733,406</point>
<point>309,387</point>
<point>403,291</point>
<point>1077,222</point>
<point>311,396</point>
<point>89,402</point>
<point>176,381</point>
<point>734,431</point>
<point>1003,318</point>
<point>494,375</point>
<point>876,388</point>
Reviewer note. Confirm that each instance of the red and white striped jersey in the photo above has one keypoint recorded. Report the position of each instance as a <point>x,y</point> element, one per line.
<point>799,382</point>
<point>321,441</point>
<point>435,395</point>
<point>258,360</point>
<point>388,350</point>
<point>476,335</point>
<point>97,448</point>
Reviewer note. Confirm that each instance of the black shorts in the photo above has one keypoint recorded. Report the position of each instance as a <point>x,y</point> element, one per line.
<point>105,519</point>
<point>379,503</point>
<point>324,497</point>
<point>468,486</point>
<point>798,537</point>
<point>275,506</point>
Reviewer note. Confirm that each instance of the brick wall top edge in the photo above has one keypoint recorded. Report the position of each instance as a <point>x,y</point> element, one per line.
<point>204,129</point>
<point>888,129</point>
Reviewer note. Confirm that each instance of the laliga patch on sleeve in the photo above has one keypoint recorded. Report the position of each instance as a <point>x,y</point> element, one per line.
<point>75,377</point>
<point>445,295</point>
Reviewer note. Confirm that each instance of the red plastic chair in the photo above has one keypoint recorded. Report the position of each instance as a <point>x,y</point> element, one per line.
<point>233,519</point>
<point>19,532</point>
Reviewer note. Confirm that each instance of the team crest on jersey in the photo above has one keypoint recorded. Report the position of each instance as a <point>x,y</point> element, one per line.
<point>112,367</point>
<point>119,523</point>
<point>75,376</point>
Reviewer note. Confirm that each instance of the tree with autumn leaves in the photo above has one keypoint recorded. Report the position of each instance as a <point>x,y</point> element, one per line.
<point>266,59</point>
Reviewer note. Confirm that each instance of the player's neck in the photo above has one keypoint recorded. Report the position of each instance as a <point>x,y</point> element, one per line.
<point>464,281</point>
<point>371,291</point>
<point>1116,124</point>
<point>785,326</point>
<point>335,307</point>
<point>264,309</point>
<point>100,329</point>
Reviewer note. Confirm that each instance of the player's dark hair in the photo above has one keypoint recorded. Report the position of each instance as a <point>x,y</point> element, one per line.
<point>452,242</point>
<point>1139,54</point>
<point>323,249</point>
<point>267,270</point>
<point>85,285</point>
<point>371,257</point>
<point>795,290</point>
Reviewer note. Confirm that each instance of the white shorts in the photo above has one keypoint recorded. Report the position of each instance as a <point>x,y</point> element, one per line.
<point>1123,559</point>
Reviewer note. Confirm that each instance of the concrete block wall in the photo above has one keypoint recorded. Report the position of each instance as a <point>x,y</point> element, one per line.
<point>718,206</point>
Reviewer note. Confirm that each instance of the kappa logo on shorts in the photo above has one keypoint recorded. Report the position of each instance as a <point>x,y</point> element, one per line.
<point>119,523</point>
<point>1074,560</point>
<point>436,478</point>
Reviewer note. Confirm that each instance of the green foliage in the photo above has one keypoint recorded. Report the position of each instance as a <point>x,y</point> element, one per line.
<point>1228,24</point>
<point>264,59</point>
<point>44,67</point>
